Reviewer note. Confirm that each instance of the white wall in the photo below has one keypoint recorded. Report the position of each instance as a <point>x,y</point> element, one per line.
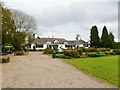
<point>63,46</point>
<point>60,45</point>
<point>44,47</point>
<point>32,45</point>
<point>81,45</point>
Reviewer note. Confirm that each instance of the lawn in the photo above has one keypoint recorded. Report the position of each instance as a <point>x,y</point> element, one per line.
<point>105,68</point>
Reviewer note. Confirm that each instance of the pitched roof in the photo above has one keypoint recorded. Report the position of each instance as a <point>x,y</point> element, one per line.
<point>75,42</point>
<point>44,40</point>
<point>71,42</point>
<point>60,40</point>
<point>83,42</point>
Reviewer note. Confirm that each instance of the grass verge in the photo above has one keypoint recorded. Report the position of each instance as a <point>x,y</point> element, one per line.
<point>105,68</point>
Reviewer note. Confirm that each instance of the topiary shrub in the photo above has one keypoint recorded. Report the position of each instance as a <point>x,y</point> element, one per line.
<point>80,51</point>
<point>47,51</point>
<point>71,53</point>
<point>67,53</point>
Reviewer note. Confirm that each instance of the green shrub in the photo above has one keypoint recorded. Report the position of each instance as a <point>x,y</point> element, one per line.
<point>67,57</point>
<point>117,51</point>
<point>55,48</point>
<point>89,49</point>
<point>8,48</point>
<point>47,51</point>
<point>93,54</point>
<point>71,53</point>
<point>80,51</point>
<point>107,53</point>
<point>96,54</point>
<point>110,52</point>
<point>103,49</point>
<point>67,53</point>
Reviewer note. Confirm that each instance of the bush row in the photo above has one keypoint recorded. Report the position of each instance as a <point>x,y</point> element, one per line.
<point>96,49</point>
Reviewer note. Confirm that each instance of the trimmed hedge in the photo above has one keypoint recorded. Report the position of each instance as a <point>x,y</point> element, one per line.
<point>71,53</point>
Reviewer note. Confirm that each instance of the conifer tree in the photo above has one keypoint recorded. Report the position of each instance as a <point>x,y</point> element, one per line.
<point>105,40</point>
<point>94,37</point>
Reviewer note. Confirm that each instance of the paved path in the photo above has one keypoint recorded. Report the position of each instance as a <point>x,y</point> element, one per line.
<point>40,71</point>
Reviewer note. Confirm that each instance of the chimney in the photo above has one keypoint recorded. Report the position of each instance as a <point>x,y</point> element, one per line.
<point>35,35</point>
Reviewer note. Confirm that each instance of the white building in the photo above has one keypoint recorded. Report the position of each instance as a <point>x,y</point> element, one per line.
<point>43,43</point>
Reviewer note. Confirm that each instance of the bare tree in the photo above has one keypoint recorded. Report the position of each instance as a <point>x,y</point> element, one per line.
<point>23,21</point>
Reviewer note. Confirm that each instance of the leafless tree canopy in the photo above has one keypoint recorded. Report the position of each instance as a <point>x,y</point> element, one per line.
<point>23,21</point>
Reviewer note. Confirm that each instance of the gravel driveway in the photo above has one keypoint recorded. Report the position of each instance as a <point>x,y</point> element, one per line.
<point>40,71</point>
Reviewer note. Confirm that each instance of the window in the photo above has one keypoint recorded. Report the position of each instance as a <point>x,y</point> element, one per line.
<point>67,46</point>
<point>39,45</point>
<point>85,45</point>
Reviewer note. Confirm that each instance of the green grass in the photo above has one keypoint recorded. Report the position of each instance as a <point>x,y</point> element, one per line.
<point>105,68</point>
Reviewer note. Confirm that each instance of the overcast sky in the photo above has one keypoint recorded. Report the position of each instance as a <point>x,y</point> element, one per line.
<point>66,18</point>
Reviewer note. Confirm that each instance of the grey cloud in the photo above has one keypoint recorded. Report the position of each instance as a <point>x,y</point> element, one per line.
<point>65,18</point>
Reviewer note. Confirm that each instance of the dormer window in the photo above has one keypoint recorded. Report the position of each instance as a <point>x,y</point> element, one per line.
<point>49,43</point>
<point>65,43</point>
<point>56,41</point>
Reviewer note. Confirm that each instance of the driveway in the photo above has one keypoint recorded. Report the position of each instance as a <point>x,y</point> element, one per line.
<point>40,71</point>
